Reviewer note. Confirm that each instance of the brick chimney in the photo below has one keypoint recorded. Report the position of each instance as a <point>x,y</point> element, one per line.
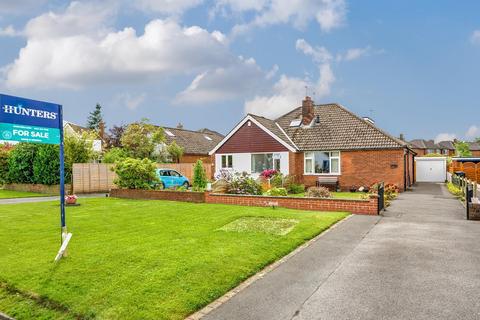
<point>307,111</point>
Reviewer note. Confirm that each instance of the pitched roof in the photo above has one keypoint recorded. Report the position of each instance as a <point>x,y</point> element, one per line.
<point>272,126</point>
<point>193,142</point>
<point>76,128</point>
<point>339,129</point>
<point>447,145</point>
<point>474,146</point>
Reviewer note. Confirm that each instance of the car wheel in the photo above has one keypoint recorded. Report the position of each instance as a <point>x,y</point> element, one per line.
<point>185,184</point>
<point>161,186</point>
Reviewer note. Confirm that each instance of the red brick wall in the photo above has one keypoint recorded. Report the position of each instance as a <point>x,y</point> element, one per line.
<point>196,197</point>
<point>476,153</point>
<point>251,139</point>
<point>360,168</point>
<point>368,207</point>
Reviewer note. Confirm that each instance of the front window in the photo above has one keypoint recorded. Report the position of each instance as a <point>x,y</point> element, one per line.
<point>320,162</point>
<point>227,161</point>
<point>265,161</point>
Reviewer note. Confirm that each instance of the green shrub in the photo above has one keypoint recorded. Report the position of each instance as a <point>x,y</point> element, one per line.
<point>199,177</point>
<point>455,190</point>
<point>296,188</point>
<point>46,165</point>
<point>318,192</point>
<point>277,192</point>
<point>277,180</point>
<point>136,174</point>
<point>77,150</point>
<point>20,163</point>
<point>244,184</point>
<point>4,154</point>
<point>113,155</point>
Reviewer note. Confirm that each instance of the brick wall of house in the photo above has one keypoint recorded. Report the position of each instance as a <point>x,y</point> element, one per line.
<point>361,168</point>
<point>367,207</point>
<point>476,153</point>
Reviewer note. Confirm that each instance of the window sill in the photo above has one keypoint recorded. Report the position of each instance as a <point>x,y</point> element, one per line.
<point>322,174</point>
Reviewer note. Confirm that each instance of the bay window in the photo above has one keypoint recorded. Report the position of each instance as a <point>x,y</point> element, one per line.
<point>321,162</point>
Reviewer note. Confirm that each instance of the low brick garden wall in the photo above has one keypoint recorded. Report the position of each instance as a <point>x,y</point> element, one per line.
<point>368,207</point>
<point>39,188</point>
<point>195,197</point>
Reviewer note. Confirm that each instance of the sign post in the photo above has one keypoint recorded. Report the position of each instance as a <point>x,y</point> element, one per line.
<point>26,120</point>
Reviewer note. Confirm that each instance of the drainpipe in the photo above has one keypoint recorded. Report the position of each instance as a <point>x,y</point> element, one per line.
<point>405,155</point>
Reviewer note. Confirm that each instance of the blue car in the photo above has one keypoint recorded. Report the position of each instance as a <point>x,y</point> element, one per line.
<point>171,179</point>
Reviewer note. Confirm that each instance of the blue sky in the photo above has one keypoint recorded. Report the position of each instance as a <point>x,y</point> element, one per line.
<point>413,66</point>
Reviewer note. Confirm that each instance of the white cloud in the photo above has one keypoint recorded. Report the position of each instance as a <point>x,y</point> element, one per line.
<point>8,31</point>
<point>318,54</point>
<point>167,6</point>
<point>131,101</point>
<point>329,14</point>
<point>355,53</point>
<point>288,92</point>
<point>445,137</point>
<point>475,37</point>
<point>473,132</point>
<point>240,79</point>
<point>76,48</point>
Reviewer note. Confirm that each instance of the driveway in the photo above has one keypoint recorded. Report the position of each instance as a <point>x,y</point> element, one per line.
<point>421,260</point>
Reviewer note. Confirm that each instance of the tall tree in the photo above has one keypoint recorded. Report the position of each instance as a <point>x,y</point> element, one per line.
<point>463,149</point>
<point>141,138</point>
<point>477,140</point>
<point>114,136</point>
<point>95,118</point>
<point>175,151</point>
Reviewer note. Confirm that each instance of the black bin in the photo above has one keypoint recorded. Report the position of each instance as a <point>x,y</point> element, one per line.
<point>461,174</point>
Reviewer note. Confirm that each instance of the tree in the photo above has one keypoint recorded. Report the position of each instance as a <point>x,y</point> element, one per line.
<point>136,174</point>
<point>175,151</point>
<point>463,149</point>
<point>4,154</point>
<point>20,163</point>
<point>77,150</point>
<point>141,138</point>
<point>95,118</point>
<point>114,154</point>
<point>114,136</point>
<point>477,140</point>
<point>199,176</point>
<point>46,165</point>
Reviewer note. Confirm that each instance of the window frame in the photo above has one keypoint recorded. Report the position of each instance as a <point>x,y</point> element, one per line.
<point>227,156</point>
<point>273,160</point>
<point>312,157</point>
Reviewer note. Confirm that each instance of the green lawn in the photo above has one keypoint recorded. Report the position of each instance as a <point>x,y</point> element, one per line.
<point>8,194</point>
<point>131,259</point>
<point>337,195</point>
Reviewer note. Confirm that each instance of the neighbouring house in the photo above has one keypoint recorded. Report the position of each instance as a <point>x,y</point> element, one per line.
<point>319,145</point>
<point>424,147</point>
<point>196,144</point>
<point>475,148</point>
<point>76,130</point>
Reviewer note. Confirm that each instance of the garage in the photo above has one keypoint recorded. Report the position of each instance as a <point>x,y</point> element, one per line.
<point>432,169</point>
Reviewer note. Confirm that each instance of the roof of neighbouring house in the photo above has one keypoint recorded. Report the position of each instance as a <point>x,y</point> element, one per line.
<point>474,146</point>
<point>77,128</point>
<point>447,145</point>
<point>193,142</point>
<point>338,129</point>
<point>430,144</point>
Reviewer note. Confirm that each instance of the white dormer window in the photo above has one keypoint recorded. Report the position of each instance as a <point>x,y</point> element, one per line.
<point>295,123</point>
<point>169,133</point>
<point>208,138</point>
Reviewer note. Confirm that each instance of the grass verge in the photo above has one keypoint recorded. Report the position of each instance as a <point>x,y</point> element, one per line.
<point>9,194</point>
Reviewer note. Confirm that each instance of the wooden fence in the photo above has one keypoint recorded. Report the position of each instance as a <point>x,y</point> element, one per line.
<point>98,177</point>
<point>472,170</point>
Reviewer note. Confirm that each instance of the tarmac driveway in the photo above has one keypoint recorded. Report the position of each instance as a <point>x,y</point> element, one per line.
<point>420,261</point>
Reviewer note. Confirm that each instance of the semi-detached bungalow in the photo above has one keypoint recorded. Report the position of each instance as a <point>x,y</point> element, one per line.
<point>318,144</point>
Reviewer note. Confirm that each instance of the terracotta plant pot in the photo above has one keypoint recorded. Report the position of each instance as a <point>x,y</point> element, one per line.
<point>70,200</point>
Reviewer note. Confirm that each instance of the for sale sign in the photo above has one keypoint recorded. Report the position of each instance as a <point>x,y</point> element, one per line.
<point>26,120</point>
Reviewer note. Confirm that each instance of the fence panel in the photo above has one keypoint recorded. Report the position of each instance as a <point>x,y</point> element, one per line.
<point>98,177</point>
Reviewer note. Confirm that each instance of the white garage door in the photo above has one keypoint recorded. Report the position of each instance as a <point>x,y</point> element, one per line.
<point>431,169</point>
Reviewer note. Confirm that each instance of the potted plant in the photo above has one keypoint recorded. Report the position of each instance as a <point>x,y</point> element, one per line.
<point>71,200</point>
